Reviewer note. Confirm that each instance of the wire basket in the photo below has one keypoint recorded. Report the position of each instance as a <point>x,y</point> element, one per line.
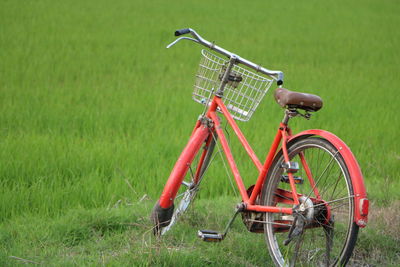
<point>243,92</point>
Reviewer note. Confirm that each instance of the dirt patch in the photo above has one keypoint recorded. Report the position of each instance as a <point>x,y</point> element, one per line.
<point>386,220</point>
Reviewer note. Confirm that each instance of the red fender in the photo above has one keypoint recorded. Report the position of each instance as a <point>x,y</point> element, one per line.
<point>357,180</point>
<point>182,165</point>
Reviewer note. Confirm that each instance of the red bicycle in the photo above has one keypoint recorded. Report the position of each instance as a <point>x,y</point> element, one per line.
<point>309,198</point>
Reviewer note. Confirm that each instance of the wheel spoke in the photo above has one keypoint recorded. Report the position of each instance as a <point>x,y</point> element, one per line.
<point>191,172</point>
<point>327,187</point>
<point>319,178</point>
<point>337,207</point>
<point>333,201</point>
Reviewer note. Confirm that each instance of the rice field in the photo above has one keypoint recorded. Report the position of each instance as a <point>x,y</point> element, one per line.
<point>95,111</point>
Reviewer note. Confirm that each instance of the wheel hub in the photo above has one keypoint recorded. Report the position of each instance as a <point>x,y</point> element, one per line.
<point>306,208</point>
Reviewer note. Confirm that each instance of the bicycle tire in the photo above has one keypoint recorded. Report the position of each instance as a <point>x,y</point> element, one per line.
<point>164,219</point>
<point>323,241</point>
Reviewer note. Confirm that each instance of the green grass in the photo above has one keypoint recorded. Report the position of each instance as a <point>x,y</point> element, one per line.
<point>122,235</point>
<point>94,109</point>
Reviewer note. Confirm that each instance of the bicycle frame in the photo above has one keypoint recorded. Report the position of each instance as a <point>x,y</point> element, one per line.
<point>283,136</point>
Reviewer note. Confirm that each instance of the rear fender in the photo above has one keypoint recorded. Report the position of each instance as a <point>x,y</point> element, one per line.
<point>357,180</point>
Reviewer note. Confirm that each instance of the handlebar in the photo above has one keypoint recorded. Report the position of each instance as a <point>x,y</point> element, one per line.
<point>182,31</point>
<point>277,75</point>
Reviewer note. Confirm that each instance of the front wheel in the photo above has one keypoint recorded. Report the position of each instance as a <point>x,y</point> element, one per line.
<point>164,219</point>
<point>321,232</point>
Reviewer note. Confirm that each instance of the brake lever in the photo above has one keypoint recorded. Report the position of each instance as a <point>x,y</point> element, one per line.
<point>180,38</point>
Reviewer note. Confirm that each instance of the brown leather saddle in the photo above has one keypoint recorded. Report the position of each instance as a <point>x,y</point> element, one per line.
<point>290,99</point>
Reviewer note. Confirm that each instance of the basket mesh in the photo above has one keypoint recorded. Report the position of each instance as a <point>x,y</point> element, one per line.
<point>243,92</point>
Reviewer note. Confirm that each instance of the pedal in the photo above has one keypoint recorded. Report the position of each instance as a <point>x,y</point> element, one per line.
<point>297,179</point>
<point>291,166</point>
<point>210,236</point>
<point>214,236</point>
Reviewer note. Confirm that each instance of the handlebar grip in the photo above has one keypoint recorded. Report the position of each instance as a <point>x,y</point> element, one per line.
<point>182,31</point>
<point>280,78</point>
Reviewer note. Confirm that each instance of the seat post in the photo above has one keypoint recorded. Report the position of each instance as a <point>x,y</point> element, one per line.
<point>289,113</point>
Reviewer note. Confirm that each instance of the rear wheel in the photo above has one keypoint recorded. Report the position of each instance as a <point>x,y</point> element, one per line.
<point>188,189</point>
<point>321,232</point>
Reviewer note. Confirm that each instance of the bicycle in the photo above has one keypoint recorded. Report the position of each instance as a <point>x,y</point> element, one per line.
<point>309,198</point>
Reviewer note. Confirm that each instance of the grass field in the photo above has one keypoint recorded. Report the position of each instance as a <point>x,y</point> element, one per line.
<point>95,111</point>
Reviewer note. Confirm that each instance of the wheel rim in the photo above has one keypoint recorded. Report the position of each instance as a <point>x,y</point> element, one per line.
<point>323,245</point>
